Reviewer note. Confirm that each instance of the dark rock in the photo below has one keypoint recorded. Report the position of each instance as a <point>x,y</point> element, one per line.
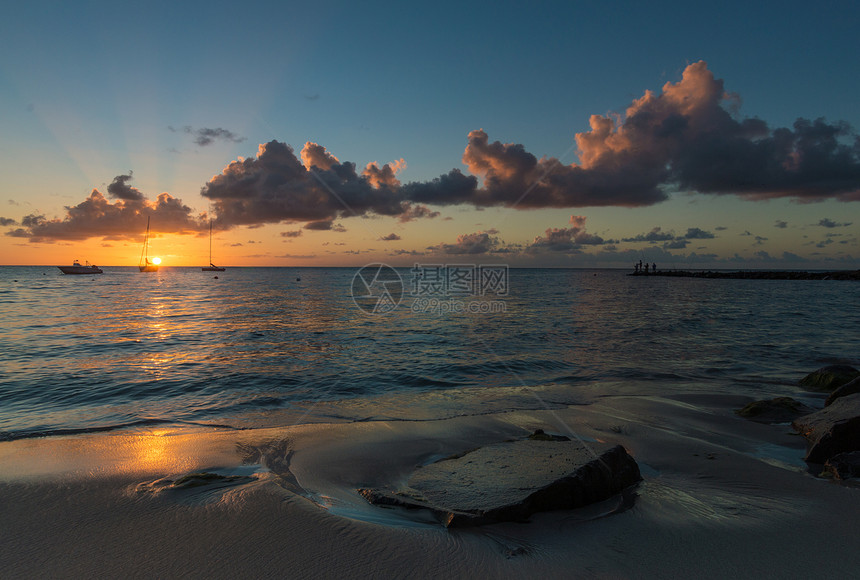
<point>777,410</point>
<point>832,430</point>
<point>843,465</point>
<point>846,389</point>
<point>513,480</point>
<point>829,378</point>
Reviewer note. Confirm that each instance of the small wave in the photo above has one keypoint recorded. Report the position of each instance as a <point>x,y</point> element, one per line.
<point>15,435</point>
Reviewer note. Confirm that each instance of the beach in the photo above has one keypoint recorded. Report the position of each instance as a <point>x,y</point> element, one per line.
<point>175,425</point>
<point>720,496</point>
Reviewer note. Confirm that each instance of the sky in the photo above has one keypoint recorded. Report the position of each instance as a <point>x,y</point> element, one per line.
<point>559,134</point>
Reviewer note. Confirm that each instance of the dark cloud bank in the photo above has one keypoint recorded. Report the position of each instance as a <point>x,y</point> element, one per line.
<point>686,138</point>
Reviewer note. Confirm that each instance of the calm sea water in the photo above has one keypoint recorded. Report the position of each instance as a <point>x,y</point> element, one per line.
<point>126,348</point>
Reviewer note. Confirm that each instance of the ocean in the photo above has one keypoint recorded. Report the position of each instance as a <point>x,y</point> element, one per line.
<point>272,346</point>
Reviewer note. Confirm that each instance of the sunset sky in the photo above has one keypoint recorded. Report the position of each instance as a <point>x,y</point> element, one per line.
<point>572,134</point>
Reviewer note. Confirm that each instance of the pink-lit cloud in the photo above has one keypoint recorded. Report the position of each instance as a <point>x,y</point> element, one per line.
<point>123,219</point>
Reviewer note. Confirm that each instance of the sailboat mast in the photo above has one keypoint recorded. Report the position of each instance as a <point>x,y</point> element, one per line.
<point>144,254</point>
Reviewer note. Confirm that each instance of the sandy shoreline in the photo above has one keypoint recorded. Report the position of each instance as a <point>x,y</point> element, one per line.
<point>721,497</point>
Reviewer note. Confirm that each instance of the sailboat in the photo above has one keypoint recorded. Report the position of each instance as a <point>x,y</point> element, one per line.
<point>145,264</point>
<point>211,267</point>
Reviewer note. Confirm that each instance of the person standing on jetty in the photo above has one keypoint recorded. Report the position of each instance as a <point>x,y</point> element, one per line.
<point>654,268</point>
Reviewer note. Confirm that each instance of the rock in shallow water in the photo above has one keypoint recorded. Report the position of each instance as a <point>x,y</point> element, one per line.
<point>511,481</point>
<point>777,410</point>
<point>828,378</point>
<point>845,390</point>
<point>832,430</point>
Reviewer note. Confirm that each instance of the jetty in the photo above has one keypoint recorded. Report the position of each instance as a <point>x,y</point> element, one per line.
<point>755,274</point>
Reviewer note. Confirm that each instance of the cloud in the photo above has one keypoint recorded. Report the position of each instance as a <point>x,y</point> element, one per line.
<point>314,155</point>
<point>4,221</point>
<point>721,228</point>
<point>205,136</point>
<point>416,211</point>
<point>828,223</point>
<point>291,234</point>
<point>379,176</point>
<point>96,216</point>
<point>275,186</point>
<point>686,137</point>
<point>689,136</point>
<point>707,149</point>
<point>325,225</point>
<point>566,239</point>
<point>514,177</point>
<point>697,234</point>
<point>475,243</point>
<point>119,189</point>
<point>676,244</point>
<point>655,235</point>
<point>780,224</point>
<point>669,239</point>
<point>390,237</point>
<point>451,188</point>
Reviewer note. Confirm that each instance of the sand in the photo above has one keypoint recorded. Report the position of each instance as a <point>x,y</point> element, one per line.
<point>721,497</point>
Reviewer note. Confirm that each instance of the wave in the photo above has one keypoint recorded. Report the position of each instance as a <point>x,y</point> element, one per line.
<point>32,434</point>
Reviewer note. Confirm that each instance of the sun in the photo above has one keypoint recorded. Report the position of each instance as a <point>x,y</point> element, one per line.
<point>156,261</point>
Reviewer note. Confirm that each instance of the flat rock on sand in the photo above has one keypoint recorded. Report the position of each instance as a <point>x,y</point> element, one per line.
<point>510,481</point>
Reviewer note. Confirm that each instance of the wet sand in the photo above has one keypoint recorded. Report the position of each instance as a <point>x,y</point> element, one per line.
<point>721,497</point>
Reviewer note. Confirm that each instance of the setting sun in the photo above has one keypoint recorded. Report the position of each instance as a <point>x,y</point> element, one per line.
<point>156,261</point>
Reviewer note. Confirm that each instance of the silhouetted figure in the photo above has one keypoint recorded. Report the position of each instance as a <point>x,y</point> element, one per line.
<point>646,268</point>
<point>654,268</point>
<point>635,268</point>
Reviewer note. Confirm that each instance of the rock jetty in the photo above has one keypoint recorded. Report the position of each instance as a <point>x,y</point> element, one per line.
<point>755,274</point>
